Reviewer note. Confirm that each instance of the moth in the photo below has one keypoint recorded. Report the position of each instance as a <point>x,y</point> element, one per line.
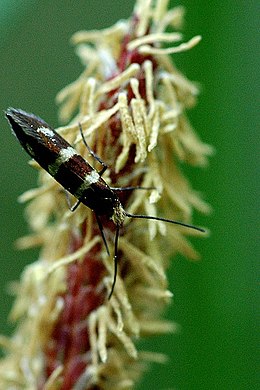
<point>54,154</point>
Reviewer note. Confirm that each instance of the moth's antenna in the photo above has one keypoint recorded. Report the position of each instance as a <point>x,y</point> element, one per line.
<point>165,220</point>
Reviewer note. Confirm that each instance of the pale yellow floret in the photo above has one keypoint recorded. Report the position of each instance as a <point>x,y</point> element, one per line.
<point>146,49</point>
<point>110,33</point>
<point>66,260</point>
<point>169,18</point>
<point>141,260</point>
<point>144,10</point>
<point>120,80</point>
<point>87,101</point>
<point>54,379</point>
<point>90,124</point>
<point>151,38</point>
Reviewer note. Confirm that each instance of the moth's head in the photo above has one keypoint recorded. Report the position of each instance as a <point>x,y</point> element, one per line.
<point>119,213</point>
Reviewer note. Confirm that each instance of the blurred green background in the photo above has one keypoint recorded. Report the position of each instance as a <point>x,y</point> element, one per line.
<point>215,299</point>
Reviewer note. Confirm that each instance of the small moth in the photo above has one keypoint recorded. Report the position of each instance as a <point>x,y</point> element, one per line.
<point>54,154</point>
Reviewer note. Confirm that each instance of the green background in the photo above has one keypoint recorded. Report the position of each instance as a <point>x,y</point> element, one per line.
<point>215,299</point>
